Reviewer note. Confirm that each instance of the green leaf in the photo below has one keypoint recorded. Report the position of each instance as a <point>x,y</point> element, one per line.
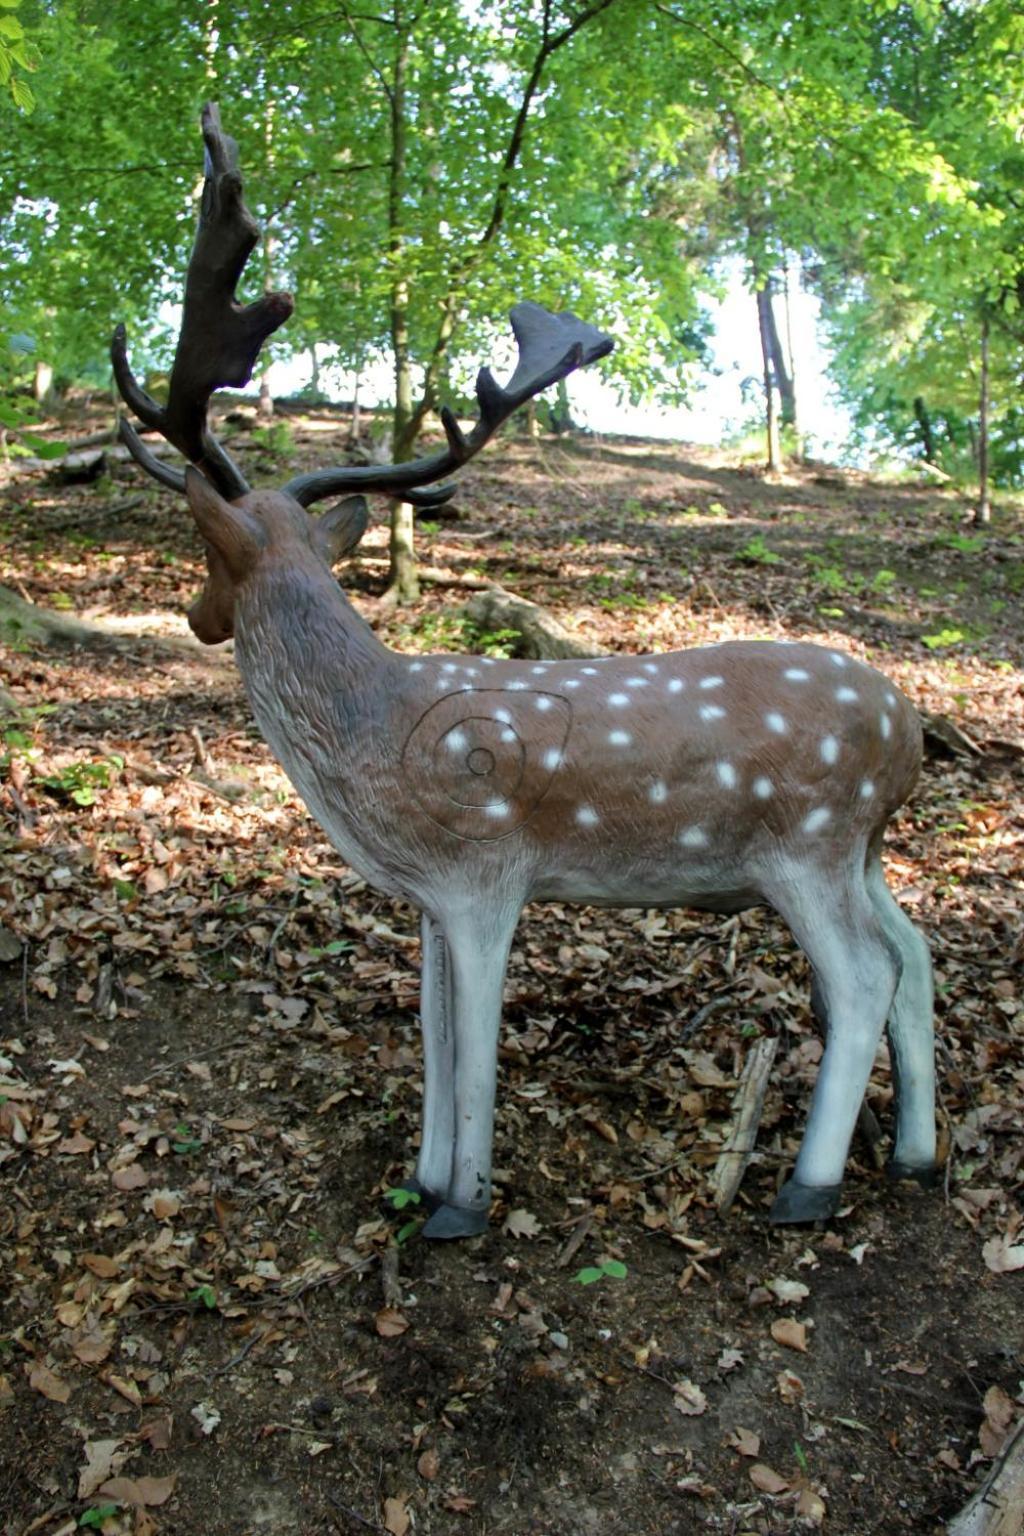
<point>400,1198</point>
<point>97,1514</point>
<point>615,1269</point>
<point>588,1276</point>
<point>205,1294</point>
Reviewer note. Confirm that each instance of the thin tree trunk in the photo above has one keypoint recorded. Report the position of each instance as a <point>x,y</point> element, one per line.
<point>403,584</point>
<point>42,383</point>
<point>983,511</point>
<point>924,423</point>
<point>791,361</point>
<point>774,452</point>
<point>783,377</point>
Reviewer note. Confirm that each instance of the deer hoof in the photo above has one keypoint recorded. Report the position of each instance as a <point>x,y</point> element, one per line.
<point>797,1204</point>
<point>450,1221</point>
<point>429,1201</point>
<point>925,1174</point>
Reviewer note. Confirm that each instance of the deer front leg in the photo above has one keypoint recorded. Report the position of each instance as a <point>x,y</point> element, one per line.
<point>437,1145</point>
<point>477,953</point>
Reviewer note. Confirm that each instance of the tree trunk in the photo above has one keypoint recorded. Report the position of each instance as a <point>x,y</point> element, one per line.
<point>774,452</point>
<point>403,584</point>
<point>780,369</point>
<point>265,403</point>
<point>924,423</point>
<point>983,511</point>
<point>42,384</point>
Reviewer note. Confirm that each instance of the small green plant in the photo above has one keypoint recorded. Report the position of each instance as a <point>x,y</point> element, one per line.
<point>944,639</point>
<point>97,1513</point>
<point>185,1142</point>
<point>756,552</point>
<point>400,1199</point>
<point>125,890</point>
<point>277,440</point>
<point>81,781</point>
<point>883,580</point>
<point>608,1269</point>
<point>964,543</point>
<point>205,1296</point>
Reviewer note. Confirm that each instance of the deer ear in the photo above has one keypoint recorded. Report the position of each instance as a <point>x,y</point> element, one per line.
<point>340,528</point>
<point>233,532</point>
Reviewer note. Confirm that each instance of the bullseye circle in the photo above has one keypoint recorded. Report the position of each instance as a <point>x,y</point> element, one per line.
<point>479,761</point>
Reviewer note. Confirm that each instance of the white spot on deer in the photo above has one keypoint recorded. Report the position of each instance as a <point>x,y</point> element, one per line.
<point>471,671</point>
<point>693,837</point>
<point>797,675</point>
<point>552,758</point>
<point>818,818</point>
<point>885,726</point>
<point>487,661</point>
<point>711,682</point>
<point>586,816</point>
<point>676,685</point>
<point>503,715</point>
<point>829,749</point>
<point>847,695</point>
<point>867,789</point>
<point>465,687</point>
<point>763,788</point>
<point>837,659</point>
<point>543,702</point>
<point>415,666</point>
<point>726,775</point>
<point>457,741</point>
<point>509,735</point>
<point>637,682</point>
<point>590,671</point>
<point>712,712</point>
<point>618,699</point>
<point>538,671</point>
<point>571,682</point>
<point>450,666</point>
<point>497,809</point>
<point>442,682</point>
<point>517,685</point>
<point>651,667</point>
<point>890,698</point>
<point>658,792</point>
<point>619,738</point>
<point>776,722</point>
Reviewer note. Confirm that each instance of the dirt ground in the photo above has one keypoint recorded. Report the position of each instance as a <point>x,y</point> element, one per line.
<point>213,1320</point>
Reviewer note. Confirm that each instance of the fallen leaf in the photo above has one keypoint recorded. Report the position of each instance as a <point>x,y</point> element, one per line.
<point>729,1360</point>
<point>791,1387</point>
<point>164,1203</point>
<point>206,1417</point>
<point>1000,1412</point>
<point>132,1177</point>
<point>767,1480</point>
<point>521,1223</point>
<point>745,1441</point>
<point>788,1292</point>
<point>460,1504</point>
<point>810,1506</point>
<point>428,1465</point>
<point>140,1490</point>
<point>912,1367</point>
<point>1002,1256</point>
<point>396,1517</point>
<point>101,1459</point>
<point>104,1267</point>
<point>76,1145</point>
<point>390,1323</point>
<point>43,1380</point>
<point>688,1398</point>
<point>791,1334</point>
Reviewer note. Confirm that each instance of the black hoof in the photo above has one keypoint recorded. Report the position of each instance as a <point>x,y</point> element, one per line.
<point>451,1221</point>
<point>927,1175</point>
<point>428,1200</point>
<point>800,1204</point>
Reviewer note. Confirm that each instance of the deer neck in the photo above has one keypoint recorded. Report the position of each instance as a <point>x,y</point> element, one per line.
<point>317,678</point>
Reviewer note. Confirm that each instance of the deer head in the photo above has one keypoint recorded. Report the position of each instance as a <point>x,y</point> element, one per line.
<point>218,345</point>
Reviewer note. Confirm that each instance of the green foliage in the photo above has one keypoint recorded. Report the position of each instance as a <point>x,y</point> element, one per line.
<point>204,1295</point>
<point>95,1515</point>
<point>756,552</point>
<point>401,1199</point>
<point>608,1269</point>
<point>82,781</point>
<point>277,441</point>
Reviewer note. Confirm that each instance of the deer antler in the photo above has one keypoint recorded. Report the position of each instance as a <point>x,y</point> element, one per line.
<point>550,348</point>
<point>220,339</point>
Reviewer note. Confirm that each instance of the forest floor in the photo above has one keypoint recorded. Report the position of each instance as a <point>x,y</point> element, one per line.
<point>210,1319</point>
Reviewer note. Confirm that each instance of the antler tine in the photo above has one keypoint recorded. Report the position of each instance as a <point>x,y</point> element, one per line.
<point>550,348</point>
<point>220,339</point>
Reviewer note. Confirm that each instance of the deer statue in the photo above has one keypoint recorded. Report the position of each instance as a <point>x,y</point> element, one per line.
<point>718,778</point>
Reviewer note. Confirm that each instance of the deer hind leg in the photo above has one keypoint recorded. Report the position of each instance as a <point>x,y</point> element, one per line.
<point>477,951</point>
<point>911,1037</point>
<point>437,1143</point>
<point>856,969</point>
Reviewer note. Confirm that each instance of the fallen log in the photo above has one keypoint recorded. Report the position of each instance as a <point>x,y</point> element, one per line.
<point>997,1508</point>
<point>748,1104</point>
<point>540,636</point>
